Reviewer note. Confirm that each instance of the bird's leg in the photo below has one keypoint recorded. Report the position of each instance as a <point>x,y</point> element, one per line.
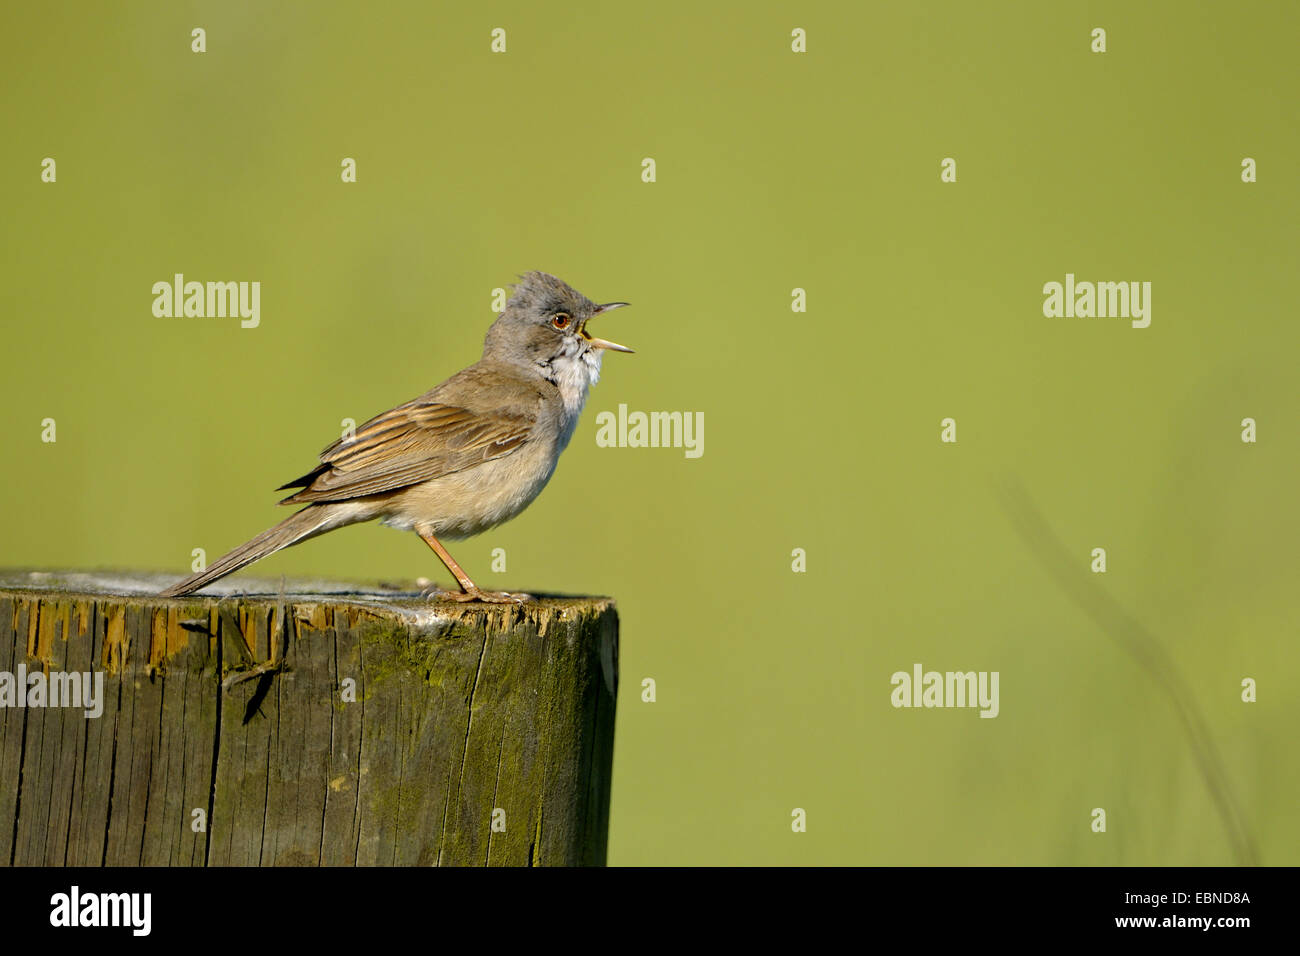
<point>469,591</point>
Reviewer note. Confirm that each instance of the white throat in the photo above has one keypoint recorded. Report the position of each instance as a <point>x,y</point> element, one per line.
<point>573,376</point>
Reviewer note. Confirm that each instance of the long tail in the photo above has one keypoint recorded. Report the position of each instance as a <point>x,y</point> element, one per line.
<point>297,527</point>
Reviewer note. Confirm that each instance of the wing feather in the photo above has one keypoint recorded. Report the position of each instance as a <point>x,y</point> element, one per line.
<point>415,442</point>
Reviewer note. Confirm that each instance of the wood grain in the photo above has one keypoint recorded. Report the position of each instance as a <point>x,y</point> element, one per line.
<point>459,710</point>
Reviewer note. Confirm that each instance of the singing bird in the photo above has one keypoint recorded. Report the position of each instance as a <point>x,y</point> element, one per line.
<point>467,454</point>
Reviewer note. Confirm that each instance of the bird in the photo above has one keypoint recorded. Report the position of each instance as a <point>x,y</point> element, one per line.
<point>463,457</point>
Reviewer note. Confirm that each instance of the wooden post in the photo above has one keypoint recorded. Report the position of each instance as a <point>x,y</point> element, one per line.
<point>354,727</point>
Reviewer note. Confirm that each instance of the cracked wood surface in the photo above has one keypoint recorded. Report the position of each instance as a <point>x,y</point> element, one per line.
<point>459,710</point>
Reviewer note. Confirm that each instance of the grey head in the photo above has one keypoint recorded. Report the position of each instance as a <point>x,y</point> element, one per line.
<point>544,329</point>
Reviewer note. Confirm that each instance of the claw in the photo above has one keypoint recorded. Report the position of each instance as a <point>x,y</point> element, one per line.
<point>435,593</point>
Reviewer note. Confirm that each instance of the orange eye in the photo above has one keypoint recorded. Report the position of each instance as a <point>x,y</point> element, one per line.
<point>561,320</point>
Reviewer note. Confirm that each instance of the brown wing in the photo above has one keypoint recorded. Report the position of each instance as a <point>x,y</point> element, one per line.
<point>414,442</point>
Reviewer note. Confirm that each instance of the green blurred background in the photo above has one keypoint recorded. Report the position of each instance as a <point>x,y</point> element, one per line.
<point>775,171</point>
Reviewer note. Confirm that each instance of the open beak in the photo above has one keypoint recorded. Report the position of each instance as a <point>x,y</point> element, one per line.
<point>602,343</point>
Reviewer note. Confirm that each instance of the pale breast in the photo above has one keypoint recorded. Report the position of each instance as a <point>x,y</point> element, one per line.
<point>471,501</point>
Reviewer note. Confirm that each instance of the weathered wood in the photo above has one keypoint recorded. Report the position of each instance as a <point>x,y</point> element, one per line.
<point>459,711</point>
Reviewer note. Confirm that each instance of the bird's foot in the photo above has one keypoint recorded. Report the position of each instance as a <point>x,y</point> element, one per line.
<point>435,593</point>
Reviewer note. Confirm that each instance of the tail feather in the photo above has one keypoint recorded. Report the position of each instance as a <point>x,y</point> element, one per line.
<point>297,527</point>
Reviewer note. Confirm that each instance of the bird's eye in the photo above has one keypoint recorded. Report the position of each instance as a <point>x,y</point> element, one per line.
<point>561,320</point>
